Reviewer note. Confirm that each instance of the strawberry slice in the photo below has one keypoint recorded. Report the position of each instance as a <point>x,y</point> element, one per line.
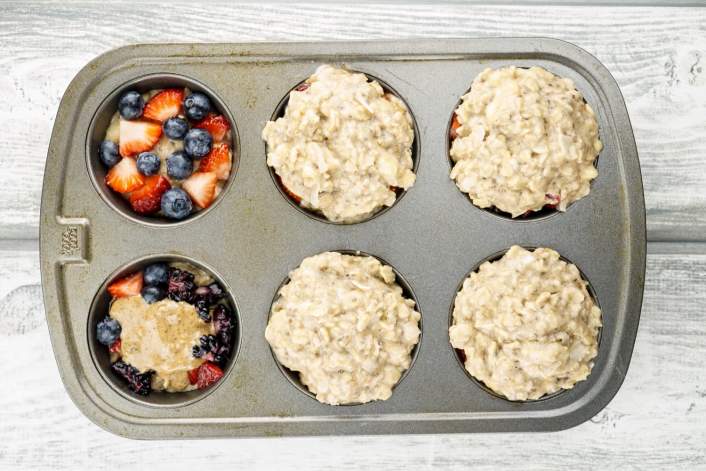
<point>193,375</point>
<point>164,105</point>
<point>208,373</point>
<point>289,192</point>
<point>455,124</point>
<point>124,176</point>
<point>201,186</point>
<point>216,124</point>
<point>116,346</point>
<point>217,161</point>
<point>131,285</point>
<point>148,198</point>
<point>138,136</point>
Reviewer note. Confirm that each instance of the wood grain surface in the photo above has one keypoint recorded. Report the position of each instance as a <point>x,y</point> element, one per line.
<point>657,55</point>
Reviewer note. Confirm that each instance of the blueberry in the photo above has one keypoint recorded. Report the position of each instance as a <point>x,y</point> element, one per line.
<point>156,274</point>
<point>179,165</point>
<point>131,105</point>
<point>108,331</point>
<point>148,163</point>
<point>197,143</point>
<point>196,106</point>
<point>175,128</point>
<point>176,204</point>
<point>108,153</point>
<point>152,294</point>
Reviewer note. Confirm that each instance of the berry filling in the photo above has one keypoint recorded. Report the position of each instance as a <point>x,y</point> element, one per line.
<point>167,329</point>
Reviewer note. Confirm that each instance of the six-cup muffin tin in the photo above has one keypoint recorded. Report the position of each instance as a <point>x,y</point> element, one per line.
<point>253,236</point>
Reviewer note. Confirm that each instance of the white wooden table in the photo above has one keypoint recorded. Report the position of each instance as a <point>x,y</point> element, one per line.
<point>658,56</point>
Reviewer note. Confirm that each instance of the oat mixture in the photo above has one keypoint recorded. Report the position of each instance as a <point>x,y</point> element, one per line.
<point>526,139</point>
<point>343,145</point>
<point>342,323</point>
<point>527,324</point>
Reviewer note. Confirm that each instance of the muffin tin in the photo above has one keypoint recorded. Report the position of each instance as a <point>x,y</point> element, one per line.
<point>253,237</point>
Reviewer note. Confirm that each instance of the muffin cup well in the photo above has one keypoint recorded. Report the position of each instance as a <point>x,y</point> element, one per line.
<point>460,355</point>
<point>544,213</point>
<point>100,308</point>
<point>101,120</point>
<point>416,146</point>
<point>407,292</point>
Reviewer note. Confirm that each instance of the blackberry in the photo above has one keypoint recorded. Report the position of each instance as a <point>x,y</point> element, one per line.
<point>216,291</point>
<point>211,349</point>
<point>202,309</point>
<point>223,319</point>
<point>203,293</point>
<point>139,383</point>
<point>181,285</point>
<point>225,339</point>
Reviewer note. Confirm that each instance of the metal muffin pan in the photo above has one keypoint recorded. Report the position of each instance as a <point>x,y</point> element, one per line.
<point>254,237</point>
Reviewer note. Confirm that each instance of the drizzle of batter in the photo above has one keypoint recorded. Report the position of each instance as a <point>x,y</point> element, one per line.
<point>160,337</point>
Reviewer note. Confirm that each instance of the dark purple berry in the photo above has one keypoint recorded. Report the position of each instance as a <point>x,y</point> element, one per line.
<point>216,291</point>
<point>202,310</point>
<point>181,285</point>
<point>223,319</point>
<point>211,349</point>
<point>139,383</point>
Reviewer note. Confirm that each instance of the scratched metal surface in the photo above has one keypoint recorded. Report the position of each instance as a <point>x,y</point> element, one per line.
<point>433,236</point>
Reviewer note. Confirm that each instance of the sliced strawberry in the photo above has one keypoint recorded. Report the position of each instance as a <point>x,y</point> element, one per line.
<point>193,375</point>
<point>455,124</point>
<point>116,346</point>
<point>289,192</point>
<point>164,105</point>
<point>553,199</point>
<point>131,285</point>
<point>216,124</point>
<point>217,161</point>
<point>208,373</point>
<point>302,87</point>
<point>201,186</point>
<point>138,136</point>
<point>124,176</point>
<point>148,198</point>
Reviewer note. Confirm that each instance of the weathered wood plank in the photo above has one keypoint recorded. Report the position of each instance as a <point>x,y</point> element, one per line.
<point>656,54</point>
<point>657,420</point>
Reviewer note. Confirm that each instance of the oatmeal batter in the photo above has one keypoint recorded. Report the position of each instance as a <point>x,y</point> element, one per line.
<point>527,324</point>
<point>343,146</point>
<point>344,325</point>
<point>526,139</point>
<point>159,337</point>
